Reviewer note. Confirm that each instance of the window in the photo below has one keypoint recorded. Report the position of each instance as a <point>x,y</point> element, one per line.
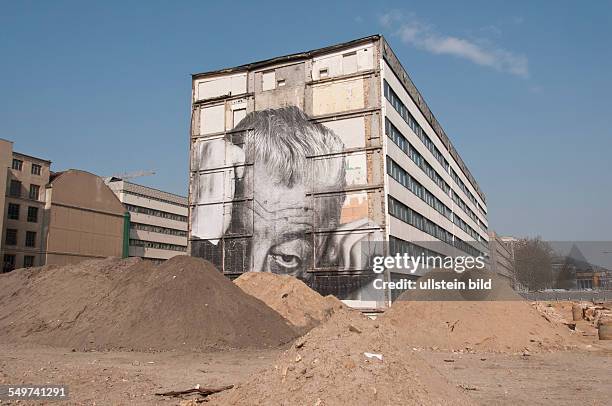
<point>28,261</point>
<point>36,169</point>
<point>13,211</point>
<point>11,236</point>
<point>349,63</point>
<point>157,213</point>
<point>30,240</point>
<point>9,263</point>
<point>239,114</point>
<point>323,73</point>
<point>34,192</point>
<point>268,80</point>
<point>15,188</point>
<point>157,245</point>
<point>17,164</point>
<point>281,83</point>
<point>212,119</point>
<point>33,214</point>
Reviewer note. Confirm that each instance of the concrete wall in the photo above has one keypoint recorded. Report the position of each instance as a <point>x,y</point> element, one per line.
<point>322,164</point>
<point>84,219</point>
<point>501,258</point>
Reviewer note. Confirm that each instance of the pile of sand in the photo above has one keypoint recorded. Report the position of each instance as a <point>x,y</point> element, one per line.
<point>328,367</point>
<point>447,321</point>
<point>184,303</point>
<point>290,297</point>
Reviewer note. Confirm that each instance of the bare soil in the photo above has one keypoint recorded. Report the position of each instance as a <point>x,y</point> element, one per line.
<point>132,378</point>
<point>349,360</point>
<point>183,304</point>
<point>290,297</point>
<point>508,325</point>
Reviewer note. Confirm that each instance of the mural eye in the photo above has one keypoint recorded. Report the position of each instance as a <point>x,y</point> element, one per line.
<point>286,261</point>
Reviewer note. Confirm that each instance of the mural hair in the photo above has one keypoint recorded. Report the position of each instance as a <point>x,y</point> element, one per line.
<point>284,138</point>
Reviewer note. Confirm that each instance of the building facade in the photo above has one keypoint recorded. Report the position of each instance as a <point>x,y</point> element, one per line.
<point>23,179</point>
<point>83,219</point>
<point>305,163</point>
<point>500,257</point>
<point>158,220</point>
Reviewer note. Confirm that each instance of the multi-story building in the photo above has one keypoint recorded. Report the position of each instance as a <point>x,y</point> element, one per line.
<point>300,163</point>
<point>23,179</point>
<point>158,220</point>
<point>500,257</point>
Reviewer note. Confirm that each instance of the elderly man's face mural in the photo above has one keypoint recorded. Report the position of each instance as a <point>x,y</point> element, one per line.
<point>283,179</point>
<point>292,158</point>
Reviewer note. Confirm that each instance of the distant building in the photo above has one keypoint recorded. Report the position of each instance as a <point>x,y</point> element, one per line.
<point>158,220</point>
<point>83,219</point>
<point>510,243</point>
<point>573,271</point>
<point>23,178</point>
<point>500,256</point>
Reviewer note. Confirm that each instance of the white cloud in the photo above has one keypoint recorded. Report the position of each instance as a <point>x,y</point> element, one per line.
<point>421,36</point>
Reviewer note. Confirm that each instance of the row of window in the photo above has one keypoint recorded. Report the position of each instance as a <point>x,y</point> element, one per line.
<point>399,174</point>
<point>156,213</point>
<point>158,229</point>
<point>15,190</point>
<point>402,110</point>
<point>11,238</point>
<point>466,209</point>
<point>404,213</point>
<point>399,246</point>
<point>14,209</point>
<point>398,138</point>
<point>463,187</point>
<point>159,199</point>
<point>9,262</point>
<point>18,166</point>
<point>157,245</point>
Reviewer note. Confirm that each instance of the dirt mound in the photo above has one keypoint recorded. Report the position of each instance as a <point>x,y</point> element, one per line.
<point>290,297</point>
<point>328,366</point>
<point>446,320</point>
<point>184,303</point>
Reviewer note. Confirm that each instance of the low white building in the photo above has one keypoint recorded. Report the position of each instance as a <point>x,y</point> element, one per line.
<point>158,220</point>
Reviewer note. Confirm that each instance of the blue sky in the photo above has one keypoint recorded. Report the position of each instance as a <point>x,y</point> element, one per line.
<point>522,89</point>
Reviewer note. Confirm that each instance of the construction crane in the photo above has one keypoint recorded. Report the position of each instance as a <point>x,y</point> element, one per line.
<point>132,175</point>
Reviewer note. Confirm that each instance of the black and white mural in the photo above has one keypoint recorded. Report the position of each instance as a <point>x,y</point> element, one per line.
<point>271,196</point>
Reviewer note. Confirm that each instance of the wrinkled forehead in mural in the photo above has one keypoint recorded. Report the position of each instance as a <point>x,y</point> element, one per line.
<point>284,217</point>
<point>255,198</point>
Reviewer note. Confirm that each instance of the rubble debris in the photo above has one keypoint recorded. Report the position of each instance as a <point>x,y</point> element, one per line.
<point>197,390</point>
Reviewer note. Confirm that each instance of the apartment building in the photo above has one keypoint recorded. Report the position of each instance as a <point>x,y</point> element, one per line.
<point>158,220</point>
<point>23,178</point>
<point>303,164</point>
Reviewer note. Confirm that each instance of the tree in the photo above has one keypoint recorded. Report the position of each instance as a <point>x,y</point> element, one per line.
<point>566,279</point>
<point>533,263</point>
